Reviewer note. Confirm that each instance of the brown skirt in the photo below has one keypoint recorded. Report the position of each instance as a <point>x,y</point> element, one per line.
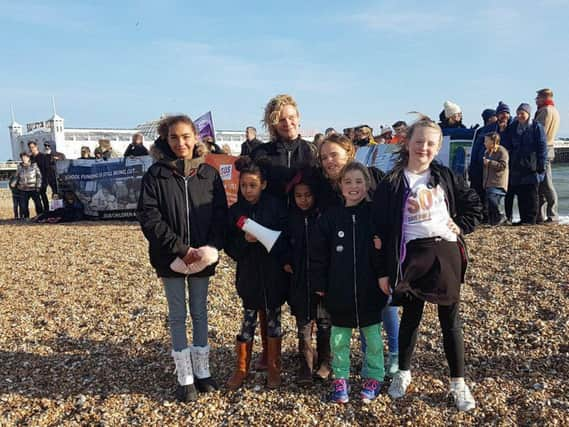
<point>432,271</point>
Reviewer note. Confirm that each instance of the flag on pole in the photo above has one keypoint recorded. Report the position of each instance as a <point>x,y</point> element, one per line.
<point>204,123</point>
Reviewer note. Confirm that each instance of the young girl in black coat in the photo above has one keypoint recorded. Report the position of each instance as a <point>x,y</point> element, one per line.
<point>262,283</point>
<point>421,210</point>
<point>307,306</point>
<point>342,270</point>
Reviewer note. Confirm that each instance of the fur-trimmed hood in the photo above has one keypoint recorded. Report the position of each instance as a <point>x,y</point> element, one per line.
<point>162,153</point>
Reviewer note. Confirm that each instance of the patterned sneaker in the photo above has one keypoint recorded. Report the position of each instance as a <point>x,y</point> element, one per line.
<point>370,390</point>
<point>398,387</point>
<point>340,391</point>
<point>462,397</point>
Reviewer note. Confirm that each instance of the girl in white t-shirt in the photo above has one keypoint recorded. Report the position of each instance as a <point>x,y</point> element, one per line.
<point>421,210</point>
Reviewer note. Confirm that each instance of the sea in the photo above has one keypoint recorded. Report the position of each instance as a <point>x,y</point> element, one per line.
<point>560,180</point>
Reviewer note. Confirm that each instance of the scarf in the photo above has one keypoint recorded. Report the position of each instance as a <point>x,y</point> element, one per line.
<point>521,128</point>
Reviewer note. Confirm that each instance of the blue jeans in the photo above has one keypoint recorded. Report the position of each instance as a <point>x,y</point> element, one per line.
<point>390,319</point>
<point>495,201</point>
<point>175,288</point>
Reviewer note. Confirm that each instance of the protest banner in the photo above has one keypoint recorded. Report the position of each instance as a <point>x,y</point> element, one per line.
<point>381,156</point>
<point>204,123</point>
<point>108,189</point>
<point>455,150</point>
<point>225,165</point>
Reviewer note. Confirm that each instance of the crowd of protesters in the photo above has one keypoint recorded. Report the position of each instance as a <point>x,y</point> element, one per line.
<point>355,242</point>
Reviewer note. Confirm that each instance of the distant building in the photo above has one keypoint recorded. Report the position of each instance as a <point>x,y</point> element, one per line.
<point>66,140</point>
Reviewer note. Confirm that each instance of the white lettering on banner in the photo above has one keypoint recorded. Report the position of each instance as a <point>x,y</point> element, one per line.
<point>225,171</point>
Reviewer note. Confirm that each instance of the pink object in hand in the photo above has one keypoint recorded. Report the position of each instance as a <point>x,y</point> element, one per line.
<point>241,221</point>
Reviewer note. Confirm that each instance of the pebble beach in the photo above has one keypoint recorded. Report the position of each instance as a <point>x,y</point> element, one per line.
<point>84,339</point>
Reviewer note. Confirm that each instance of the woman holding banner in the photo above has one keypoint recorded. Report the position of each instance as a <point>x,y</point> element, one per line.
<point>182,210</point>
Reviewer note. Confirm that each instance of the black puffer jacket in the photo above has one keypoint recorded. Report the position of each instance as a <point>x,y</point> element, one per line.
<point>260,278</point>
<point>464,207</point>
<point>341,265</point>
<point>301,226</point>
<point>181,204</point>
<point>286,159</point>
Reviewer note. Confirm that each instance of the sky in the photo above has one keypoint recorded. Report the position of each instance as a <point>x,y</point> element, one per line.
<point>119,64</point>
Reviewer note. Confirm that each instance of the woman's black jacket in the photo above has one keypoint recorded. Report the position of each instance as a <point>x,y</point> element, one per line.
<point>286,159</point>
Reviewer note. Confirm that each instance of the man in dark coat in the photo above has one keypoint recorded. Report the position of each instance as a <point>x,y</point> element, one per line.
<point>136,147</point>
<point>251,142</point>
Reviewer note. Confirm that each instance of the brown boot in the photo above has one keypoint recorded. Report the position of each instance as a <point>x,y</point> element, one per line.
<point>261,362</point>
<point>243,353</point>
<point>306,356</point>
<point>274,362</point>
<point>323,348</point>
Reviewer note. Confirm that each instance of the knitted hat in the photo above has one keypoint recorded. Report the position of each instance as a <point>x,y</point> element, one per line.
<point>451,109</point>
<point>502,108</point>
<point>487,113</point>
<point>524,107</point>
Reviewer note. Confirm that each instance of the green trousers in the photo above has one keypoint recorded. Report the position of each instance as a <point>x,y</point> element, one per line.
<point>373,358</point>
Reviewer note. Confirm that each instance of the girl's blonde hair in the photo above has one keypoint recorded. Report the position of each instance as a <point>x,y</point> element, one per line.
<point>341,140</point>
<point>423,122</point>
<point>273,112</point>
<point>356,166</point>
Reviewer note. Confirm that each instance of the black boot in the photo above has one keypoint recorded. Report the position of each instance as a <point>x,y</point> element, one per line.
<point>185,389</point>
<point>186,393</point>
<point>323,348</point>
<point>200,364</point>
<point>306,355</point>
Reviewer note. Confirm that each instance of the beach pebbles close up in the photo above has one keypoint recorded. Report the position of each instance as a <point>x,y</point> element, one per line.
<point>84,339</point>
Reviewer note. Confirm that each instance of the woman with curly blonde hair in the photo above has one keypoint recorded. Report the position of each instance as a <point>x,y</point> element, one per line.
<point>287,151</point>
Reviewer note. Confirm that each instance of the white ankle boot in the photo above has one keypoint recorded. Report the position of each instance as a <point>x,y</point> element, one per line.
<point>183,361</point>
<point>200,361</point>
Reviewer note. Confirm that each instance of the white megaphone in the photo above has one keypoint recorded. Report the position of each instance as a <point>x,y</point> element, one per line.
<point>265,235</point>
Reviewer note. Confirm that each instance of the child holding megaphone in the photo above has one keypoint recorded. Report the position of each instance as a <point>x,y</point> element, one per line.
<point>262,283</point>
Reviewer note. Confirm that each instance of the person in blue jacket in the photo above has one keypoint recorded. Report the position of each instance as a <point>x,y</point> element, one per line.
<point>527,146</point>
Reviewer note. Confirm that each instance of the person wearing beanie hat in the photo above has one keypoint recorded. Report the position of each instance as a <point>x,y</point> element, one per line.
<point>489,116</point>
<point>451,109</point>
<point>548,116</point>
<point>524,106</point>
<point>451,117</point>
<point>526,144</point>
<point>476,166</point>
<point>502,108</point>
